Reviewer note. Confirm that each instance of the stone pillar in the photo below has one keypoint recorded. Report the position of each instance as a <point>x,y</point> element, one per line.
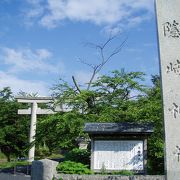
<point>32,131</point>
<point>168,20</point>
<point>43,169</point>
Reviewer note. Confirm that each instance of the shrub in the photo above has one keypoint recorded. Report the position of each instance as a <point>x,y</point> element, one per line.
<point>42,152</point>
<point>123,172</point>
<point>78,155</point>
<point>70,167</point>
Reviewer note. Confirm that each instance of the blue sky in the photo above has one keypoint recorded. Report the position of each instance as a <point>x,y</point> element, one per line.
<point>42,40</point>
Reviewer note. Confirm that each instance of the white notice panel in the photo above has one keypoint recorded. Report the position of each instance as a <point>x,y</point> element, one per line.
<point>118,155</point>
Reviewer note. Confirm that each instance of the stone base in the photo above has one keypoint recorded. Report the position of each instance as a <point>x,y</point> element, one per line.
<point>108,177</point>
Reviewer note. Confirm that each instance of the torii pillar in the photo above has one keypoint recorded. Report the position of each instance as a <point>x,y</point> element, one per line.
<point>34,110</point>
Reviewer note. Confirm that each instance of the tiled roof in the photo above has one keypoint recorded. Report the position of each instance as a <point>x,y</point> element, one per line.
<point>118,128</point>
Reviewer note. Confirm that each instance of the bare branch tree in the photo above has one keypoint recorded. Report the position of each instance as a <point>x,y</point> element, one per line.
<point>76,85</point>
<point>101,49</point>
<point>104,59</point>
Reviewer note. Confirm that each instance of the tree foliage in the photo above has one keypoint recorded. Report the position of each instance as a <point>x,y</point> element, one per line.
<point>152,112</point>
<point>107,90</point>
<point>78,155</point>
<point>60,130</point>
<point>118,97</point>
<point>13,133</point>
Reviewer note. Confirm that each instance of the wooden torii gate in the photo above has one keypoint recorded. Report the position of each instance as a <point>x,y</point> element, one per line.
<point>34,110</point>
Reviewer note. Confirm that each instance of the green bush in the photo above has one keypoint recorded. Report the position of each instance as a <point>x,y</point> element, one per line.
<point>42,152</point>
<point>78,155</point>
<point>70,167</point>
<point>123,172</point>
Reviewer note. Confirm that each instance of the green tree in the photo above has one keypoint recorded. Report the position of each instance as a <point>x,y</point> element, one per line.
<point>152,112</point>
<point>148,109</point>
<point>108,90</point>
<point>13,133</point>
<point>118,97</point>
<point>60,130</point>
<point>84,98</point>
<point>111,97</point>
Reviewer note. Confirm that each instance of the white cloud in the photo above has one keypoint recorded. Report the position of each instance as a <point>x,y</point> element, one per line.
<point>102,12</point>
<point>36,10</point>
<point>17,64</point>
<point>16,84</point>
<point>43,53</point>
<point>25,60</point>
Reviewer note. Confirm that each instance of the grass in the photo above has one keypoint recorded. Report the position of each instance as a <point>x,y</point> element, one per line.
<point>12,164</point>
<point>4,164</point>
<point>54,156</point>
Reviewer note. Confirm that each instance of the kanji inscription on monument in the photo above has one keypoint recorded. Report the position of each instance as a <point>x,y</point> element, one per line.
<point>168,20</point>
<point>175,110</point>
<point>177,153</point>
<point>171,29</point>
<point>174,67</point>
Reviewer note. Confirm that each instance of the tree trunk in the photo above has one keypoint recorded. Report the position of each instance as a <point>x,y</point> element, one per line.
<point>8,157</point>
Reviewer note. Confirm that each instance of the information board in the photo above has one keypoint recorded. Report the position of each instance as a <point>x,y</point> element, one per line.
<point>118,155</point>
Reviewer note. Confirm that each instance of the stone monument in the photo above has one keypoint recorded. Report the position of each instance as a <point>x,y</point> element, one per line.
<point>34,110</point>
<point>44,169</point>
<point>168,21</point>
<point>118,146</point>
